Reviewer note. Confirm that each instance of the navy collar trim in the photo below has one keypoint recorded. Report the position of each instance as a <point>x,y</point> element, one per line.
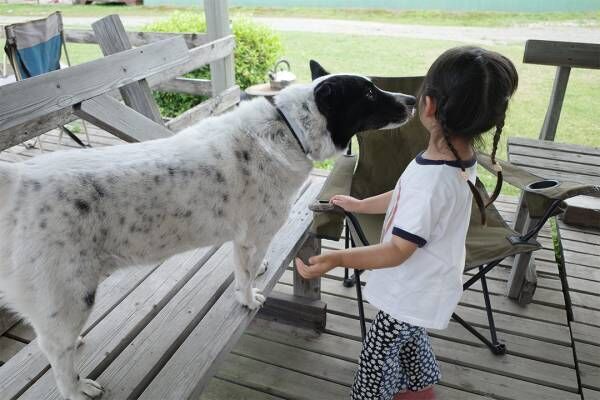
<point>455,163</point>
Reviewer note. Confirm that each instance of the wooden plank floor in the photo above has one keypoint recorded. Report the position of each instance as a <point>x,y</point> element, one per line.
<point>276,361</point>
<point>582,251</point>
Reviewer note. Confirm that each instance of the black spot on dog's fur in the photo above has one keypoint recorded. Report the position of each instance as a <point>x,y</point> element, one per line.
<point>99,189</point>
<point>43,224</point>
<point>219,177</point>
<point>90,298</point>
<point>246,155</point>
<point>83,206</point>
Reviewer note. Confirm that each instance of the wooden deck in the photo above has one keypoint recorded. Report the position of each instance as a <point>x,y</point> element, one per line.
<point>547,357</point>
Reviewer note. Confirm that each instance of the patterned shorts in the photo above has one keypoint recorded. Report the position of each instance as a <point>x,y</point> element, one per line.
<point>396,357</point>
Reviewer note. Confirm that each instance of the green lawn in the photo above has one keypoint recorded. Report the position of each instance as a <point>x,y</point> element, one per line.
<point>390,16</point>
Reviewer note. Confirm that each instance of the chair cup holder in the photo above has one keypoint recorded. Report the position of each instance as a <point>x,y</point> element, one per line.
<point>543,184</point>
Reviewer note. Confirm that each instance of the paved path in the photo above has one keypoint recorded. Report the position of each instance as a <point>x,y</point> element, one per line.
<point>478,35</point>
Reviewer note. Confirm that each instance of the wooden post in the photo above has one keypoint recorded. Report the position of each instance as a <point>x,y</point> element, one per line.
<point>522,280</point>
<point>310,289</point>
<point>217,26</point>
<point>304,308</point>
<point>112,38</point>
<point>561,79</point>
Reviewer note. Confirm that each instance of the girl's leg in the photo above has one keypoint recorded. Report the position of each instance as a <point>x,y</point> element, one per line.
<point>418,360</point>
<point>380,372</point>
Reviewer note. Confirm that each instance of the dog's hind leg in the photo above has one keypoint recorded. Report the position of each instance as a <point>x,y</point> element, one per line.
<point>57,337</point>
<point>248,260</point>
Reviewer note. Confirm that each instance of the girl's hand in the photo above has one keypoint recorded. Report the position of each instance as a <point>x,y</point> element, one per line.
<point>318,266</point>
<point>348,203</point>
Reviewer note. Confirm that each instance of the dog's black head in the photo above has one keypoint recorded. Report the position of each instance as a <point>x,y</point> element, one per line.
<point>351,104</point>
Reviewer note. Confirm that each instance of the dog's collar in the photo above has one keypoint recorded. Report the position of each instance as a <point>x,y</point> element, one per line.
<point>292,126</point>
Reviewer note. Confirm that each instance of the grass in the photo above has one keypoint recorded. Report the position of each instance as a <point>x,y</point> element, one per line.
<point>389,16</point>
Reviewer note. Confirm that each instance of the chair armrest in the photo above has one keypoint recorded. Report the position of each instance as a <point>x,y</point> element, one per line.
<point>322,207</point>
<point>327,224</point>
<point>540,193</point>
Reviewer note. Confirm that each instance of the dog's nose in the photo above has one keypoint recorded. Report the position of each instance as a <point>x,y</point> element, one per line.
<point>410,101</point>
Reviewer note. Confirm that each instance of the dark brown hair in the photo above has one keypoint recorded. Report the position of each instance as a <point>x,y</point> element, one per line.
<point>471,87</point>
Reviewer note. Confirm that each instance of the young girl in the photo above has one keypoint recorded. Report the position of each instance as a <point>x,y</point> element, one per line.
<point>416,270</point>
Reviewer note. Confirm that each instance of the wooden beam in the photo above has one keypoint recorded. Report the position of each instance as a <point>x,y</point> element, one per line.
<point>197,57</point>
<point>48,93</point>
<point>213,106</point>
<point>197,87</point>
<point>15,134</point>
<point>137,39</point>
<point>562,54</point>
<point>112,39</point>
<point>125,123</point>
<point>548,131</point>
<point>295,310</point>
<point>217,26</point>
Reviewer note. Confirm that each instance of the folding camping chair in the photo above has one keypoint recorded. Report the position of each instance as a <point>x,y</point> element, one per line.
<point>383,156</point>
<point>34,48</point>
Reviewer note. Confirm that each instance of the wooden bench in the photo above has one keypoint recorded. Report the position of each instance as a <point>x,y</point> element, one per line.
<point>156,331</point>
<point>564,56</point>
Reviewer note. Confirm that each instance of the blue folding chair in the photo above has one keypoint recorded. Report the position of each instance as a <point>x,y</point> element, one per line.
<point>34,48</point>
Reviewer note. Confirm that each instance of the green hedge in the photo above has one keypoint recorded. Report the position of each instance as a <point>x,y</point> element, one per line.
<point>257,49</point>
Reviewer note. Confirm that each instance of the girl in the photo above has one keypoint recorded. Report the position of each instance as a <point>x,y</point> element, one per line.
<point>416,270</point>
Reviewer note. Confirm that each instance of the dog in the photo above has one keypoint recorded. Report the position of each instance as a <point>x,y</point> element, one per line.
<point>67,218</point>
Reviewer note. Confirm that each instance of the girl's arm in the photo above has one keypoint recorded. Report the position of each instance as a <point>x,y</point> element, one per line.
<point>382,255</point>
<point>371,205</point>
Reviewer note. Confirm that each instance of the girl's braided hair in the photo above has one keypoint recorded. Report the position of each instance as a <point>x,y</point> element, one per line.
<point>471,88</point>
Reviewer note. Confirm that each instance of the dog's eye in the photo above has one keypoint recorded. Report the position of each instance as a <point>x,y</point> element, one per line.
<point>370,95</point>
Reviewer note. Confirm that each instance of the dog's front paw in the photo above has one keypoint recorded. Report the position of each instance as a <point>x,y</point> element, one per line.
<point>252,299</point>
<point>87,389</point>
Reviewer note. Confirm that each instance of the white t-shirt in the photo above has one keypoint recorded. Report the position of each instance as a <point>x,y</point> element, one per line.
<point>431,207</point>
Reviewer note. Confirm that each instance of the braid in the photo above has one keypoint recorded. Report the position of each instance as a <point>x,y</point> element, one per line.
<point>497,167</point>
<point>474,191</point>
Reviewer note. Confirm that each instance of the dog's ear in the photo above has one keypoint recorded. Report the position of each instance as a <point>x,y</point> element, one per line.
<point>316,70</point>
<point>324,94</point>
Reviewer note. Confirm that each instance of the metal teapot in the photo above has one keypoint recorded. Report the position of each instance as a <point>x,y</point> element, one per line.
<point>282,77</point>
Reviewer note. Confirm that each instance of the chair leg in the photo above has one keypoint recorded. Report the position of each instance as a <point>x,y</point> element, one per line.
<point>361,306</point>
<point>348,281</point>
<point>87,135</point>
<point>488,309</point>
<point>496,348</point>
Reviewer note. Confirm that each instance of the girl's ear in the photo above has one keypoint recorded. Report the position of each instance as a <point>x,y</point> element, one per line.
<point>429,106</point>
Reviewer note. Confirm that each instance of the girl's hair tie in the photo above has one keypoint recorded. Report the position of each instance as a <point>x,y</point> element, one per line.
<point>497,167</point>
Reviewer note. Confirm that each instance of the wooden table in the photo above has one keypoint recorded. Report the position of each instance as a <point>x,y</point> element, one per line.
<point>562,161</point>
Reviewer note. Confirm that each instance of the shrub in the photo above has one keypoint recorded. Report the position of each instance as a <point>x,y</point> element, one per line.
<point>257,49</point>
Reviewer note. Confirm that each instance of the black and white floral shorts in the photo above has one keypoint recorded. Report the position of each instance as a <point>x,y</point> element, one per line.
<point>396,357</point>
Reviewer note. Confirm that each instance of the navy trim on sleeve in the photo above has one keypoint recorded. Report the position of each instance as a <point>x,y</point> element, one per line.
<point>425,161</point>
<point>418,240</point>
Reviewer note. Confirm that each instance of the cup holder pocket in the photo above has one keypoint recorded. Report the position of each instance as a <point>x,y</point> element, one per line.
<point>543,184</point>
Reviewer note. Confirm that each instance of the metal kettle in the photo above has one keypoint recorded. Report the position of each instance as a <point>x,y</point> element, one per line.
<point>280,77</point>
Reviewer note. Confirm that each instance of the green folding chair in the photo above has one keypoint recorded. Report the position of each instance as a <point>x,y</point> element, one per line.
<point>383,156</point>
